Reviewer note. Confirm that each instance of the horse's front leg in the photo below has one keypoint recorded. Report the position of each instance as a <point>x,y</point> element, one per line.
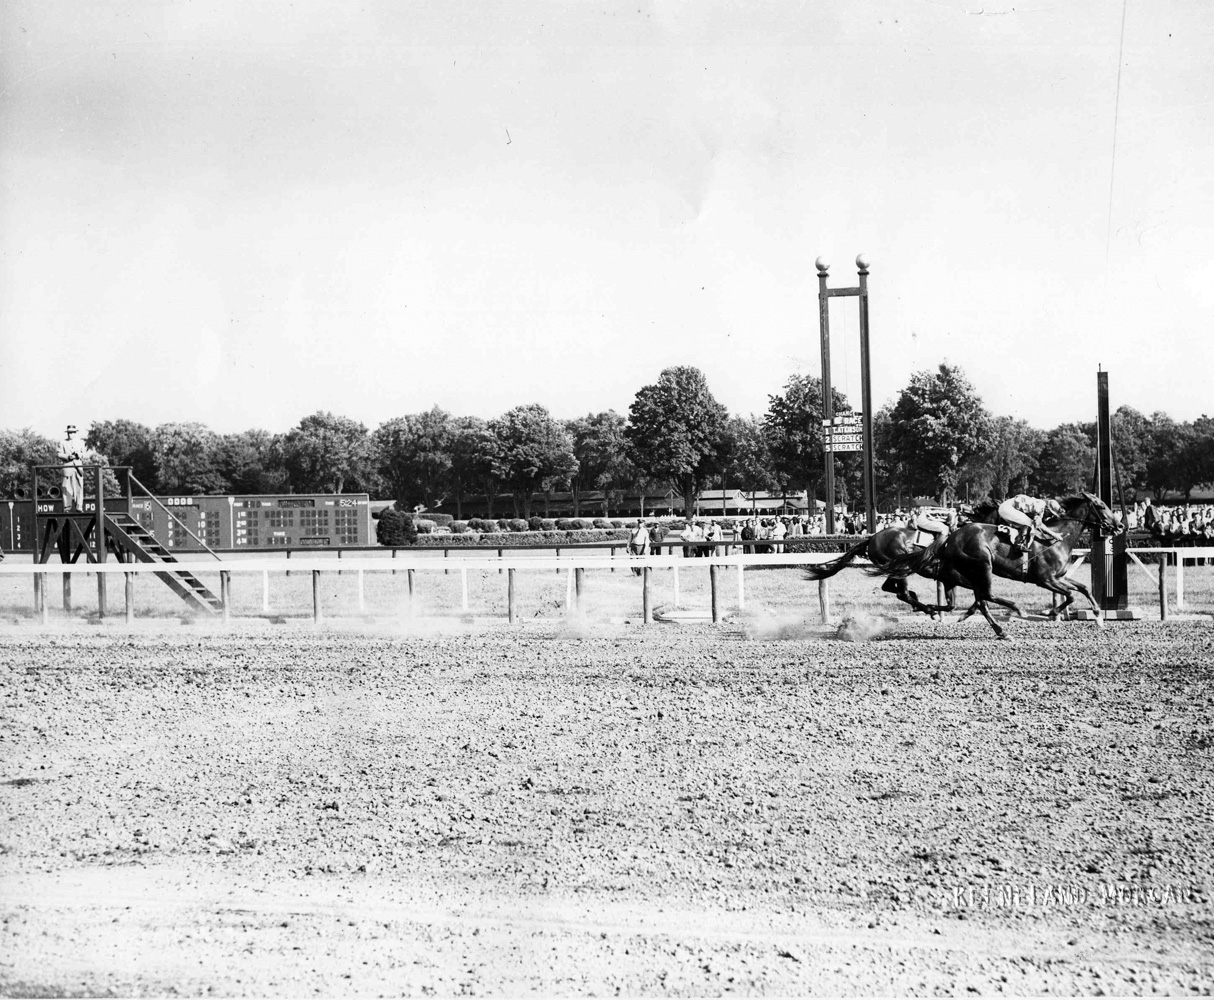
<point>999,633</point>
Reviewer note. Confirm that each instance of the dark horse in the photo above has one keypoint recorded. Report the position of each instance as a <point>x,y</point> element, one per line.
<point>881,548</point>
<point>975,553</point>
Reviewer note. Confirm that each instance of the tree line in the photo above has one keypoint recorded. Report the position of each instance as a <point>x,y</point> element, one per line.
<point>935,439</point>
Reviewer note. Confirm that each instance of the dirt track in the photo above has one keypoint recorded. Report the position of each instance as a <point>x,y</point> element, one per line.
<point>601,808</point>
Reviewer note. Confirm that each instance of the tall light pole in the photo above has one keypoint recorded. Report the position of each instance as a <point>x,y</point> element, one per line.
<point>828,404</point>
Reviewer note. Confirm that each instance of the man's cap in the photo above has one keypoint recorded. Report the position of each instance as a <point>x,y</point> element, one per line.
<point>71,428</point>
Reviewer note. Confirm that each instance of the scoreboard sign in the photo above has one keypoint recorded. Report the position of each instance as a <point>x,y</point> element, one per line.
<point>843,433</point>
<point>261,522</point>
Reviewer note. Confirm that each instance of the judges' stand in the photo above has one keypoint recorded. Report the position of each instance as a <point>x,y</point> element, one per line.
<point>103,526</point>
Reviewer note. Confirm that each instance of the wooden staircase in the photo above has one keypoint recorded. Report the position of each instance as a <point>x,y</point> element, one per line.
<point>130,536</point>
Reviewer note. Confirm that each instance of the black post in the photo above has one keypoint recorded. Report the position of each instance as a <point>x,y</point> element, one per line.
<point>828,402</point>
<point>870,496</point>
<point>1110,577</point>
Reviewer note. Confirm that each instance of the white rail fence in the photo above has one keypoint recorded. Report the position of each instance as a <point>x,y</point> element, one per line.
<point>573,565</point>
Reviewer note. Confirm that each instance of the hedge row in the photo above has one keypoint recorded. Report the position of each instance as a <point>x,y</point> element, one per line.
<point>517,539</point>
<point>819,543</point>
<point>517,524</point>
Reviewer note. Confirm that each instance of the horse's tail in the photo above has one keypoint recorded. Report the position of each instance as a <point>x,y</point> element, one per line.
<point>820,571</point>
<point>916,561</point>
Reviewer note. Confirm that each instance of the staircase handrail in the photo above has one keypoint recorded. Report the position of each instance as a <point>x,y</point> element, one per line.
<point>133,481</point>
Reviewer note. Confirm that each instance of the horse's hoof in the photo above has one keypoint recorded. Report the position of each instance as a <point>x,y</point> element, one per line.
<point>1003,636</point>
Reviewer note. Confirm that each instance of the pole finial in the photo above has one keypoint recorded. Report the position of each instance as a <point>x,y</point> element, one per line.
<point>862,263</point>
<point>822,264</point>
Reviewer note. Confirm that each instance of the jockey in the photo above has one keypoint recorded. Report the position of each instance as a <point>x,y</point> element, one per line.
<point>1026,513</point>
<point>924,522</point>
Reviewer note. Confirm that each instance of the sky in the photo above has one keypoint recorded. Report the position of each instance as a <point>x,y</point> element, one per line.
<point>240,213</point>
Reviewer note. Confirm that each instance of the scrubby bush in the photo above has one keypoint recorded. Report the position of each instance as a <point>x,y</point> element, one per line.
<point>582,524</point>
<point>600,522</point>
<point>459,527</point>
<point>440,520</point>
<point>424,525</point>
<point>564,524</point>
<point>620,524</point>
<point>395,528</point>
<point>503,524</point>
<point>535,524</point>
<point>516,524</point>
<point>547,524</point>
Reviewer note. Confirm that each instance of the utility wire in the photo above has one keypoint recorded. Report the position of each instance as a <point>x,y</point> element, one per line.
<point>1108,233</point>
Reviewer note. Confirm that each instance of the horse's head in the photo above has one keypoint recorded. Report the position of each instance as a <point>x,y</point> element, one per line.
<point>1093,512</point>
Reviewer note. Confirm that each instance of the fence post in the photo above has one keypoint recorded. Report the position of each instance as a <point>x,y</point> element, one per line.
<point>713,573</point>
<point>446,552</point>
<point>67,593</point>
<point>511,611</point>
<point>646,606</point>
<point>568,591</point>
<point>409,573</point>
<point>558,555</point>
<point>317,614</point>
<point>101,608</point>
<point>824,600</point>
<point>1179,580</point>
<point>1163,589</point>
<point>225,594</point>
<point>578,580</point>
<point>499,555</point>
<point>288,560</point>
<point>130,597</point>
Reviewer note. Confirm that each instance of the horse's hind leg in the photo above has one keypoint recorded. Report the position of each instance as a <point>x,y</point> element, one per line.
<point>1010,605</point>
<point>901,591</point>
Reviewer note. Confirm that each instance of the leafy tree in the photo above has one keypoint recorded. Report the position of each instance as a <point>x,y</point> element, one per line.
<point>676,432</point>
<point>1007,459</point>
<point>534,452</point>
<point>20,451</point>
<point>1131,433</point>
<point>472,451</point>
<point>937,424</point>
<point>1166,440</point>
<point>794,431</point>
<point>1066,460</point>
<point>414,455</point>
<point>600,448</point>
<point>187,459</point>
<point>327,454</point>
<point>251,462</point>
<point>746,456</point>
<point>1196,459</point>
<point>125,442</point>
